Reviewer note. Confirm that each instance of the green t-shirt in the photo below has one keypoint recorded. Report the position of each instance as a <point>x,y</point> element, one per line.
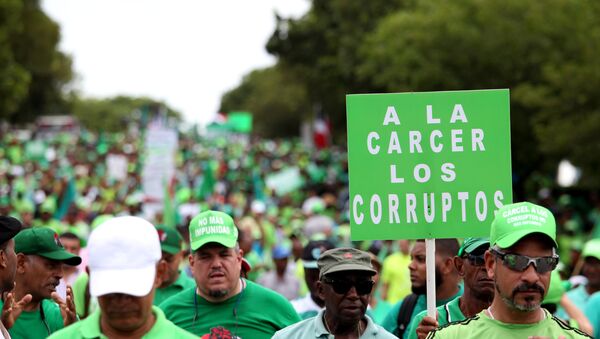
<point>90,328</point>
<point>390,323</point>
<point>395,273</point>
<point>182,283</point>
<point>447,313</point>
<point>256,313</point>
<point>482,326</point>
<point>30,324</point>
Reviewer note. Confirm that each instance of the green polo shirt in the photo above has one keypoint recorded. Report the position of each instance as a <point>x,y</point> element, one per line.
<point>447,313</point>
<point>30,324</point>
<point>90,328</point>
<point>182,283</point>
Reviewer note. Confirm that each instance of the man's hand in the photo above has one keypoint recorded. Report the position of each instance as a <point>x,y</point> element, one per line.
<point>67,307</point>
<point>426,325</point>
<point>11,310</point>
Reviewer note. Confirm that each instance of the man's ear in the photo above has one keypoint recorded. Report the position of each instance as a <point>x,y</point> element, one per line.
<point>490,264</point>
<point>191,261</point>
<point>459,264</point>
<point>447,266</point>
<point>3,259</point>
<point>320,289</point>
<point>21,263</point>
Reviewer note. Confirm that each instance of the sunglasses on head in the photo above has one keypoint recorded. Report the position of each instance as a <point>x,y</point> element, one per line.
<point>520,263</point>
<point>476,260</point>
<point>343,286</point>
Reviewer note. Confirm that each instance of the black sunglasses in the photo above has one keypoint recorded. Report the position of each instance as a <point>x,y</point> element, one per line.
<point>476,260</point>
<point>520,263</point>
<point>343,286</point>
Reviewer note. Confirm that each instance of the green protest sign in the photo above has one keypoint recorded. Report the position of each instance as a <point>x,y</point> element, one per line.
<point>427,165</point>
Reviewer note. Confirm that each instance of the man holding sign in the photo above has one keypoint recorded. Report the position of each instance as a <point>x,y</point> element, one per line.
<point>521,257</point>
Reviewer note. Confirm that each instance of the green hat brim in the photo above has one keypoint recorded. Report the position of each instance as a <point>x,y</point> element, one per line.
<point>62,255</point>
<point>513,237</point>
<point>219,239</point>
<point>170,249</point>
<point>472,247</point>
<point>348,267</point>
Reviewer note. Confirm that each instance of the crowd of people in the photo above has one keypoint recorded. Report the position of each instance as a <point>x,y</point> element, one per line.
<point>81,257</point>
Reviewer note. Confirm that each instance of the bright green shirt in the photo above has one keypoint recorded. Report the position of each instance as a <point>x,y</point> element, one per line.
<point>447,313</point>
<point>390,323</point>
<point>482,326</point>
<point>182,283</point>
<point>256,312</point>
<point>90,328</point>
<point>31,325</point>
<point>394,273</point>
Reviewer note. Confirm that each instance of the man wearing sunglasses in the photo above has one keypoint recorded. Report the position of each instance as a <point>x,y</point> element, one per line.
<point>478,290</point>
<point>520,261</point>
<point>345,284</point>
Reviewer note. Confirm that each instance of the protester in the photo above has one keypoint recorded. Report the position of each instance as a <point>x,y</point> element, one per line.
<point>345,284</point>
<point>446,280</point>
<point>72,244</point>
<point>125,270</point>
<point>40,259</point>
<point>223,303</point>
<point>378,307</point>
<point>395,276</point>
<point>520,260</point>
<point>174,280</point>
<point>310,305</point>
<point>477,295</point>
<point>281,279</point>
<point>9,227</point>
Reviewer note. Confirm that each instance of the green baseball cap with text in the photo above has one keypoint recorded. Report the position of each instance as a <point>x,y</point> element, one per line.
<point>170,239</point>
<point>515,221</point>
<point>212,226</point>
<point>471,244</point>
<point>44,242</point>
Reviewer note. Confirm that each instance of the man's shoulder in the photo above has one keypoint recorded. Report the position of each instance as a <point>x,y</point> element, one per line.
<point>566,329</point>
<point>178,299</point>
<point>456,329</point>
<point>72,331</point>
<point>300,329</point>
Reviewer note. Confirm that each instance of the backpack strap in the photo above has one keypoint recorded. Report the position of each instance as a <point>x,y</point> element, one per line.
<point>405,313</point>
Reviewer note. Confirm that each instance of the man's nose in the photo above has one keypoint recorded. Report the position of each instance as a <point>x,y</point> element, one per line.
<point>530,275</point>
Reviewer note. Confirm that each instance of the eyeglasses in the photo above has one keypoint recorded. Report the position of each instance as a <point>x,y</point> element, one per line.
<point>476,260</point>
<point>520,263</point>
<point>343,286</point>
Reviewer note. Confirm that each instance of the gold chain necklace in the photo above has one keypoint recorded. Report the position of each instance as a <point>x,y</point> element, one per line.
<point>358,332</point>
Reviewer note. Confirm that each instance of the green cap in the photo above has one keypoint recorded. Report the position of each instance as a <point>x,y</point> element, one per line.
<point>591,249</point>
<point>44,242</point>
<point>515,221</point>
<point>555,290</point>
<point>471,244</point>
<point>212,226</point>
<point>170,239</point>
<point>344,259</point>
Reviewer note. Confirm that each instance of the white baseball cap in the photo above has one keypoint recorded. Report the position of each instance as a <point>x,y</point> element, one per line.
<point>123,253</point>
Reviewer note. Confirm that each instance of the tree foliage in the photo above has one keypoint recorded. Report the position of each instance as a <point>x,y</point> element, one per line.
<point>275,98</point>
<point>112,114</point>
<point>33,72</point>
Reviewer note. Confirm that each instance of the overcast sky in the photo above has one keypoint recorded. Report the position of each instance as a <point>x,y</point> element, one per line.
<point>185,52</point>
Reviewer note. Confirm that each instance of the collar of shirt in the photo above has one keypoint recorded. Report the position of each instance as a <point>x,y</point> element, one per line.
<point>320,329</point>
<point>90,327</point>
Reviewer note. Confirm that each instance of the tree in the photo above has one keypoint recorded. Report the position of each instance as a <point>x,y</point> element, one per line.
<point>34,73</point>
<point>275,98</point>
<point>112,114</point>
<point>546,53</point>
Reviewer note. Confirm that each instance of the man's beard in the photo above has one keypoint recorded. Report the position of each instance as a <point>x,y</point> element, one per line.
<point>439,280</point>
<point>530,305</point>
<point>218,293</point>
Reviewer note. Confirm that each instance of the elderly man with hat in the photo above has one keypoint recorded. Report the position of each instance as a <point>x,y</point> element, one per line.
<point>174,280</point>
<point>345,284</point>
<point>477,295</point>
<point>223,304</point>
<point>125,269</point>
<point>40,311</point>
<point>9,227</point>
<point>520,260</point>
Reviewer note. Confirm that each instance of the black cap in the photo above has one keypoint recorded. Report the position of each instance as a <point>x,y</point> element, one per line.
<point>312,251</point>
<point>9,227</point>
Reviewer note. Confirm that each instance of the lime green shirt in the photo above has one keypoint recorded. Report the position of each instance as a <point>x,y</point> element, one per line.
<point>182,283</point>
<point>90,328</point>
<point>31,325</point>
<point>447,313</point>
<point>394,273</point>
<point>256,313</point>
<point>482,326</point>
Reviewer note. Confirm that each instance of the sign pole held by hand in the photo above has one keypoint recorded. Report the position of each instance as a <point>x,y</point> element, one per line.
<point>430,263</point>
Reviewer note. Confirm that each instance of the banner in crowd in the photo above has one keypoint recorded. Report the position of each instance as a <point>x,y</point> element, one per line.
<point>159,162</point>
<point>427,165</point>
